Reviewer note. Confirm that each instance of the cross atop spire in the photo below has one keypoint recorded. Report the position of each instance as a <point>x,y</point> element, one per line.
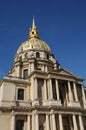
<point>33,23</point>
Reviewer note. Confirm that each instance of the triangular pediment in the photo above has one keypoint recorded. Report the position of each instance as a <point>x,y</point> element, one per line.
<point>66,72</point>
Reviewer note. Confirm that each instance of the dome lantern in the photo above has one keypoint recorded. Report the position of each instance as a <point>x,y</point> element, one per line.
<point>33,42</point>
<point>33,31</point>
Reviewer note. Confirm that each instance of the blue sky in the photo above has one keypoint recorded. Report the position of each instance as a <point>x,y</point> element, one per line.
<point>61,24</point>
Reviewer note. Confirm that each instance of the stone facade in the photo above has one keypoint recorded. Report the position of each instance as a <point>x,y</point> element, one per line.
<point>38,94</point>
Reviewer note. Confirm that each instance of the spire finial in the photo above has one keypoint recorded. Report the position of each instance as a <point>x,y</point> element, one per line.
<point>33,31</point>
<point>33,23</point>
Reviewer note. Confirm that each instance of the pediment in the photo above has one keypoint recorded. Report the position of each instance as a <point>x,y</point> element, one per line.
<point>66,72</point>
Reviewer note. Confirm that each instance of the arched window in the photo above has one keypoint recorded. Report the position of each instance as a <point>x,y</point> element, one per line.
<point>37,54</point>
<point>25,74</point>
<point>26,55</point>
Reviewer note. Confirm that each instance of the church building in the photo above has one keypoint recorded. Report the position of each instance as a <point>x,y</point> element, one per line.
<point>37,94</point>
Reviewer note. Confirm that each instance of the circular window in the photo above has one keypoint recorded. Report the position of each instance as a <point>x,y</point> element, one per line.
<point>32,32</point>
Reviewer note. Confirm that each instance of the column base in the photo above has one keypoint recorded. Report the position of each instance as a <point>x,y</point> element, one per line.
<point>14,103</point>
<point>7,104</point>
<point>27,104</point>
<point>52,103</point>
<point>35,102</point>
<point>73,104</point>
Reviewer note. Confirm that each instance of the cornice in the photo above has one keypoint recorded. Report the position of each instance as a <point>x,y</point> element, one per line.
<point>16,80</point>
<point>44,109</point>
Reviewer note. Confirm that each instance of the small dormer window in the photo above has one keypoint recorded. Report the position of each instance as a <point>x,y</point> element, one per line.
<point>26,55</point>
<point>37,54</point>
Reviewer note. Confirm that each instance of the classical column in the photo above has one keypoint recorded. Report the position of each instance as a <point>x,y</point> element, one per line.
<point>36,89</point>
<point>70,92</point>
<point>57,89</point>
<point>45,89</point>
<point>81,123</point>
<point>18,70</point>
<point>36,122</point>
<point>28,93</point>
<point>47,122</point>
<point>75,123</point>
<point>53,122</point>
<point>51,90</point>
<point>28,122</point>
<point>60,122</point>
<point>33,122</point>
<point>75,92</point>
<point>13,122</point>
<point>83,95</point>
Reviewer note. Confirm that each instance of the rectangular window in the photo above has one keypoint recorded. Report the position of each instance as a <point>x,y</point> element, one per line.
<point>25,73</point>
<point>20,94</point>
<point>19,124</point>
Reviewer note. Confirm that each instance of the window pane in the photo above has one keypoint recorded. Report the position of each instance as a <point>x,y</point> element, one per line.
<point>25,74</point>
<point>47,56</point>
<point>37,55</point>
<point>26,55</point>
<point>19,124</point>
<point>20,94</point>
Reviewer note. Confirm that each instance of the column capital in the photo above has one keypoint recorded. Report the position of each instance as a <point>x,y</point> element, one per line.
<point>12,113</point>
<point>35,112</point>
<point>52,111</point>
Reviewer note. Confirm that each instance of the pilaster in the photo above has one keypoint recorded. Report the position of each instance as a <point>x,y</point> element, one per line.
<point>13,122</point>
<point>28,123</point>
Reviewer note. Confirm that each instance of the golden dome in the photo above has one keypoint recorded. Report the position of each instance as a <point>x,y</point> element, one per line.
<point>33,42</point>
